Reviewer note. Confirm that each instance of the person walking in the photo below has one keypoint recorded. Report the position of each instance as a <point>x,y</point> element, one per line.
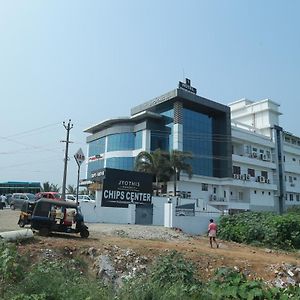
<point>212,233</point>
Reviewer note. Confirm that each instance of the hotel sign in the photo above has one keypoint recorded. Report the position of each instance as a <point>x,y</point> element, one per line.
<point>187,86</point>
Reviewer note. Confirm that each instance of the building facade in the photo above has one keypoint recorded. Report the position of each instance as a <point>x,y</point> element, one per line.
<point>242,158</point>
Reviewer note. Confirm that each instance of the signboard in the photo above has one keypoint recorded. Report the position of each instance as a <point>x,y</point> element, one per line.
<point>122,187</point>
<point>185,210</point>
<point>187,86</point>
<point>98,175</point>
<point>79,157</point>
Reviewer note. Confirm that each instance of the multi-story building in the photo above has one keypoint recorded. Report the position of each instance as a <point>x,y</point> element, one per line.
<point>242,159</point>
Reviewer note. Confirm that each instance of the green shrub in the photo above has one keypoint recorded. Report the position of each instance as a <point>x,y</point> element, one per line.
<point>58,280</point>
<point>262,228</point>
<point>171,277</point>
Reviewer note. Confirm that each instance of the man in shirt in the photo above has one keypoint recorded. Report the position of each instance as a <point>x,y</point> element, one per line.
<point>212,233</point>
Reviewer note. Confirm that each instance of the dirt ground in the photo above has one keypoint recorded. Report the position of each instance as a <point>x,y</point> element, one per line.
<point>254,262</point>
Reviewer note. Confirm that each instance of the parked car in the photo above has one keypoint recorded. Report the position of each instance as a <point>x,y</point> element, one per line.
<point>85,198</point>
<point>49,195</point>
<point>70,197</point>
<point>17,199</point>
<point>58,216</point>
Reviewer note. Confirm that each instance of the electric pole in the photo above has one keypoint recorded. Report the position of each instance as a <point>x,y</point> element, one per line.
<point>68,127</point>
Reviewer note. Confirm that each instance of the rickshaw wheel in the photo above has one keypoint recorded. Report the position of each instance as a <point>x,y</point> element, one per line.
<point>44,231</point>
<point>21,223</point>
<point>84,233</point>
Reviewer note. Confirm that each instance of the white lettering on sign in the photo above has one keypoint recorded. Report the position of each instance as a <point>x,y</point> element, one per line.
<point>128,196</point>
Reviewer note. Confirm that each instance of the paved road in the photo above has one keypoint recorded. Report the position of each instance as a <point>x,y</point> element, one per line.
<point>9,219</point>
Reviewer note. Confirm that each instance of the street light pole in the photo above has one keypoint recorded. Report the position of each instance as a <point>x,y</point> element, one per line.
<point>68,127</point>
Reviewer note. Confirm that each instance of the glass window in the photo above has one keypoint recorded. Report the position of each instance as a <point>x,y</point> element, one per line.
<point>96,147</point>
<point>251,172</point>
<point>138,141</point>
<point>264,174</point>
<point>236,170</point>
<point>198,139</point>
<point>94,165</point>
<point>204,187</point>
<point>123,163</point>
<point>159,140</point>
<point>162,138</point>
<point>291,197</point>
<point>121,141</point>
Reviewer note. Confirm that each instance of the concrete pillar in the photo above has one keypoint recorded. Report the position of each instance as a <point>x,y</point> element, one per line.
<point>131,212</point>
<point>168,215</point>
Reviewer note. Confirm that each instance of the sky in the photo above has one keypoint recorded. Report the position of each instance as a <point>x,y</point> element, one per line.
<point>92,60</point>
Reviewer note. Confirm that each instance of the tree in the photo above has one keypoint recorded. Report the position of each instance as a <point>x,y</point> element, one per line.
<point>179,164</point>
<point>47,187</point>
<point>71,189</point>
<point>156,163</point>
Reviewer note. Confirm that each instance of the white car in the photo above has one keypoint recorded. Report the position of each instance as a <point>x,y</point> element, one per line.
<point>85,198</point>
<point>70,198</point>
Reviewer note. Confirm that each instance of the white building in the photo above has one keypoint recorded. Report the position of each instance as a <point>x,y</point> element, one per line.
<point>243,159</point>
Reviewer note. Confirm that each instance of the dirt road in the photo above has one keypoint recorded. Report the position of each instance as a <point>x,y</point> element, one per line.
<point>154,240</point>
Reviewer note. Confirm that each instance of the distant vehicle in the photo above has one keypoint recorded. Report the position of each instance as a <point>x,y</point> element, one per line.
<point>17,199</point>
<point>58,216</point>
<point>49,195</point>
<point>70,197</point>
<point>26,212</point>
<point>8,197</point>
<point>85,198</point>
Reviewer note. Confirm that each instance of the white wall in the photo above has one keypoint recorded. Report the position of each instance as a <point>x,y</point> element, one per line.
<point>100,214</point>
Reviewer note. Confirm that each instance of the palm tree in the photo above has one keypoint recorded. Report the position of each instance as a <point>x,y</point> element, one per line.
<point>179,164</point>
<point>155,163</point>
<point>47,187</point>
<point>71,189</point>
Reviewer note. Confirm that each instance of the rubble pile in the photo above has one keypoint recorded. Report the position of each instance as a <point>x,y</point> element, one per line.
<point>285,275</point>
<point>113,265</point>
<point>154,233</point>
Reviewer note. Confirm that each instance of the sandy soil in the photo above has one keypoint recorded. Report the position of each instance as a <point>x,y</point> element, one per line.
<point>155,240</point>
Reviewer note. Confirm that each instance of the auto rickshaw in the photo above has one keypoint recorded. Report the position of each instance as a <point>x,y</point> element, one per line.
<point>26,212</point>
<point>58,216</point>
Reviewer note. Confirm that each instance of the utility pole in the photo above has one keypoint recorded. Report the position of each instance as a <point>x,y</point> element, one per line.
<point>68,127</point>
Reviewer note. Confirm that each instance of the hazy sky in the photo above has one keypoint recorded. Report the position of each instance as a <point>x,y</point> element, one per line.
<point>92,60</point>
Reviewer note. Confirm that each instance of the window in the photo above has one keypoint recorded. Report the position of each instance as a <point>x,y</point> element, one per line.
<point>236,170</point>
<point>204,187</point>
<point>241,195</point>
<point>255,192</point>
<point>291,197</point>
<point>264,174</point>
<point>251,172</point>
<point>295,178</point>
<point>269,193</point>
<point>263,192</point>
<point>290,179</point>
<point>120,141</point>
<point>294,159</point>
<point>215,190</point>
<point>224,194</point>
<point>298,197</point>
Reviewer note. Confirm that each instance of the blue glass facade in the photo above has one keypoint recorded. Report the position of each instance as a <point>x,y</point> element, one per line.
<point>124,163</point>
<point>94,165</point>
<point>97,147</point>
<point>197,139</point>
<point>164,139</point>
<point>121,141</point>
<point>138,142</point>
